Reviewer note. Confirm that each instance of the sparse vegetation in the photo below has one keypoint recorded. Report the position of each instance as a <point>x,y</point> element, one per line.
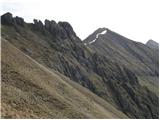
<point>48,72</point>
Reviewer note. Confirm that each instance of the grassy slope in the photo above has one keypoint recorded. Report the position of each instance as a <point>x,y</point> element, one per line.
<point>29,90</point>
<point>151,83</point>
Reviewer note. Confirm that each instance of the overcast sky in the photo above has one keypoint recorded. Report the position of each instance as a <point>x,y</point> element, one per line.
<point>138,20</point>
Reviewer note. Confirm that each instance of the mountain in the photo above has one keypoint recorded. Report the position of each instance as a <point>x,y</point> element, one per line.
<point>30,90</point>
<point>152,44</point>
<point>137,57</point>
<point>109,77</point>
<point>141,59</point>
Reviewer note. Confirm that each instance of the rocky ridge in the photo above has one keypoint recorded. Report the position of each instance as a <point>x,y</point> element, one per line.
<point>60,49</point>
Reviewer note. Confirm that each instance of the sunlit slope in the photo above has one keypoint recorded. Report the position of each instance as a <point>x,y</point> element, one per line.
<point>29,90</point>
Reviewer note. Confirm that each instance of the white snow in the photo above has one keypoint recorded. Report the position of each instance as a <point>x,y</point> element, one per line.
<point>102,33</point>
<point>92,41</point>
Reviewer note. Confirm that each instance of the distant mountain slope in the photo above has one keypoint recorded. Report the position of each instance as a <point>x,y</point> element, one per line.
<point>153,44</point>
<point>57,47</point>
<point>29,90</point>
<point>136,56</point>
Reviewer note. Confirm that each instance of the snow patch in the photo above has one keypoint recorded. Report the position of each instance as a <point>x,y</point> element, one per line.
<point>102,33</point>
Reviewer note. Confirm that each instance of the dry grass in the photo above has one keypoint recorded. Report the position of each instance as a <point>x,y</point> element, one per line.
<point>29,90</point>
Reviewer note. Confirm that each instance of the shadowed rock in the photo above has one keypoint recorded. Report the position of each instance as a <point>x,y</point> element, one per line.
<point>152,44</point>
<point>38,24</point>
<point>55,29</point>
<point>19,21</point>
<point>68,28</point>
<point>7,19</point>
<point>103,71</point>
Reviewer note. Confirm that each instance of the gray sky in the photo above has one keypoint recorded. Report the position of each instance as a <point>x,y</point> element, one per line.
<point>138,20</point>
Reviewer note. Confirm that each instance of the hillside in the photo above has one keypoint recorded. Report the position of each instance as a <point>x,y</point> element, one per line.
<point>137,57</point>
<point>29,90</point>
<point>140,58</point>
<point>109,76</point>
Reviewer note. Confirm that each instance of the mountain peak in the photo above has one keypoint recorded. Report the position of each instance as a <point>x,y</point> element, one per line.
<point>68,28</point>
<point>153,44</point>
<point>120,73</point>
<point>8,19</point>
<point>93,37</point>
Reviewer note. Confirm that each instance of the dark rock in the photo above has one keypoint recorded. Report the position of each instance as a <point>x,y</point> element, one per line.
<point>19,21</point>
<point>7,19</point>
<point>135,101</point>
<point>47,24</point>
<point>68,28</point>
<point>137,57</point>
<point>152,44</point>
<point>55,29</point>
<point>38,24</point>
<point>101,72</point>
<point>75,73</point>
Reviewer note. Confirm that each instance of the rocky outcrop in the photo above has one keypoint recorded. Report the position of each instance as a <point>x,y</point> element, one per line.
<point>137,57</point>
<point>75,73</point>
<point>8,19</point>
<point>68,28</point>
<point>100,73</point>
<point>134,101</point>
<point>38,24</point>
<point>55,29</point>
<point>19,21</point>
<point>152,44</point>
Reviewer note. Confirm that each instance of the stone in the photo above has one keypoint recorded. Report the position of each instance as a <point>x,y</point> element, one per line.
<point>19,21</point>
<point>68,28</point>
<point>7,19</point>
<point>55,29</point>
<point>38,24</point>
